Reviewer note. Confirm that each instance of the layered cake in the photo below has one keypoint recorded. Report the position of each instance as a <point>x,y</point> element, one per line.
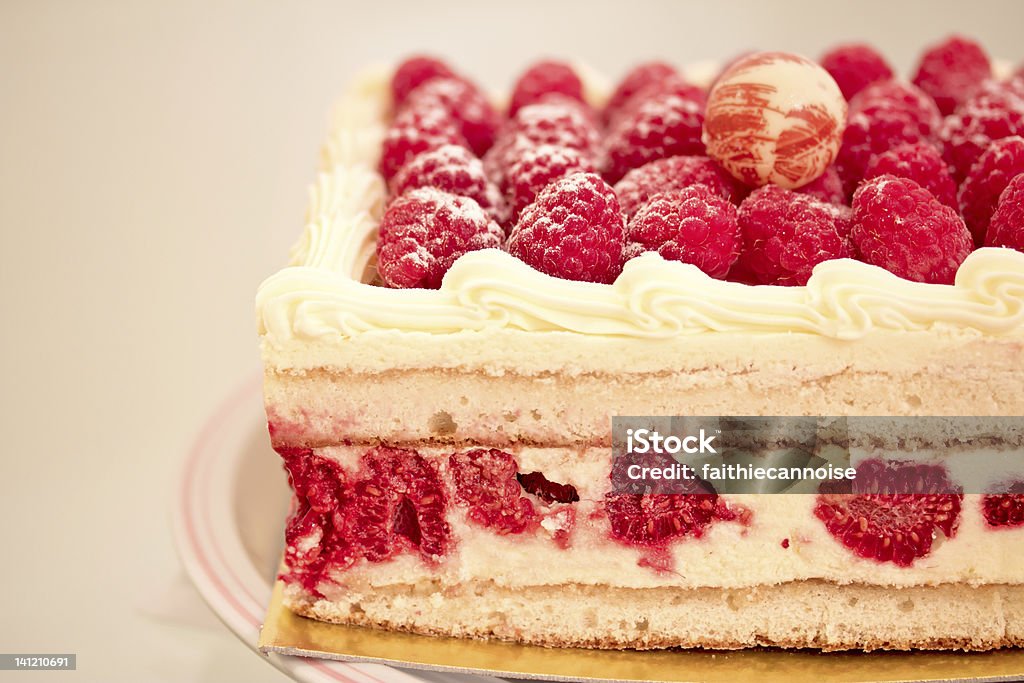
<point>484,284</point>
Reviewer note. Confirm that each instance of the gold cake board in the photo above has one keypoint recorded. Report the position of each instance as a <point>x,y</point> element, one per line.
<point>289,634</point>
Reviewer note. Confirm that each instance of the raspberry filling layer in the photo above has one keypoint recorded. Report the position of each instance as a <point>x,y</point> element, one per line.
<point>395,501</point>
<point>891,527</point>
<point>389,502</point>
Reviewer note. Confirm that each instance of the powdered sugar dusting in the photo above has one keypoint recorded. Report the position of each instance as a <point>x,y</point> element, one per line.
<point>690,225</point>
<point>988,116</point>
<point>660,127</point>
<point>537,167</point>
<point>453,169</point>
<point>416,130</point>
<point>675,173</point>
<point>574,230</point>
<point>424,231</point>
<point>989,176</point>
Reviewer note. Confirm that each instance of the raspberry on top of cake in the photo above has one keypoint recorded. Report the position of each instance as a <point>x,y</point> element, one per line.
<point>823,132</point>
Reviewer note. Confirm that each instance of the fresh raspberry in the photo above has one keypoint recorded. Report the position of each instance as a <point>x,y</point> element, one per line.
<point>557,99</point>
<point>422,233</point>
<point>550,122</point>
<point>656,520</point>
<point>900,226</point>
<point>553,122</point>
<point>855,66</point>
<point>675,173</point>
<point>414,72</point>
<point>1004,509</point>
<point>452,169</point>
<point>659,90</point>
<point>536,484</point>
<point>398,505</point>
<point>828,187</point>
<point>1006,229</point>
<point>952,71</point>
<point>741,272</point>
<point>637,79</point>
<point>538,167</point>
<point>475,117</point>
<point>786,234</point>
<point>887,527</point>
<point>543,78</point>
<point>903,97</point>
<point>485,481</point>
<point>692,225</point>
<point>659,128</point>
<point>414,131</point>
<point>989,116</point>
<point>922,163</point>
<point>315,535</point>
<point>874,131</point>
<point>678,86</point>
<point>989,176</point>
<point>574,230</point>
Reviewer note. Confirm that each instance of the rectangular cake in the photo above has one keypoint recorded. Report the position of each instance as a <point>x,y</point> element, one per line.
<point>444,413</point>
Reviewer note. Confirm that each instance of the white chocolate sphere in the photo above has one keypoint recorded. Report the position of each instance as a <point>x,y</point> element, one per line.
<point>775,117</point>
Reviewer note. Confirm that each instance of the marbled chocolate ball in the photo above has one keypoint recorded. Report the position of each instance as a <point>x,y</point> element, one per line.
<point>775,117</point>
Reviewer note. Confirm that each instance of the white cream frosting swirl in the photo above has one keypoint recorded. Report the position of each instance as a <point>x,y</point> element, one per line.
<point>320,295</point>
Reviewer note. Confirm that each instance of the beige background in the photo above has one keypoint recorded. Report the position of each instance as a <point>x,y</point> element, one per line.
<point>153,168</point>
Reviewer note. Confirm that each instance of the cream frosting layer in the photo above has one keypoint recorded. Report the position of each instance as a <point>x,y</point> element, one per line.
<point>321,295</point>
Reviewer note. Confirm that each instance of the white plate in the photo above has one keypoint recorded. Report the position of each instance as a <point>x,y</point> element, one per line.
<point>228,515</point>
